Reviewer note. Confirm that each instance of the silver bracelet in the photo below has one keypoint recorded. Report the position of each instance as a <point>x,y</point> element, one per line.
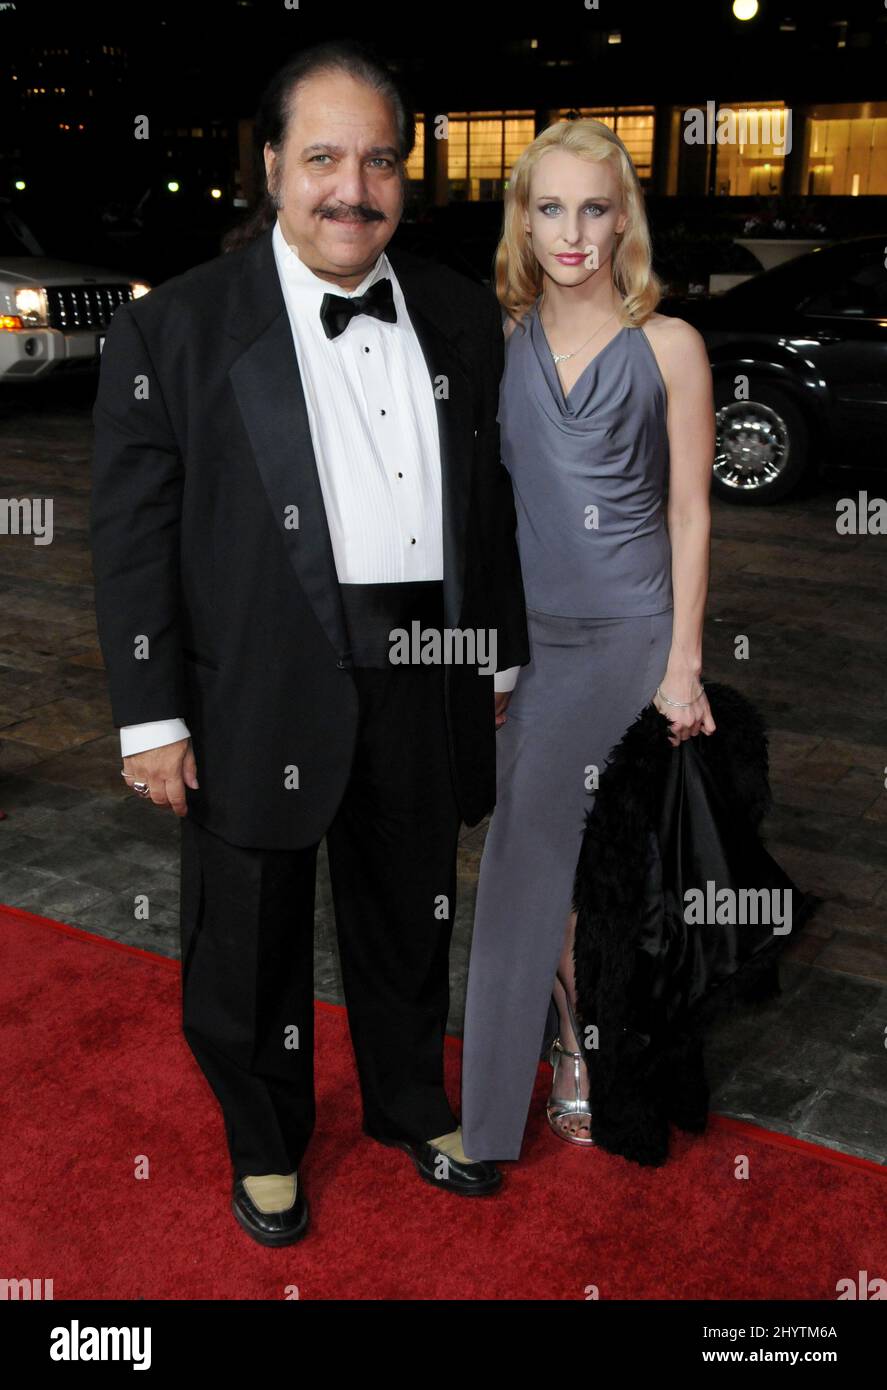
<point>678,704</point>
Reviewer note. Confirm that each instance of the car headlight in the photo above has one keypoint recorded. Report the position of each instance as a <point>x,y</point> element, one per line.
<point>31,307</point>
<point>139,287</point>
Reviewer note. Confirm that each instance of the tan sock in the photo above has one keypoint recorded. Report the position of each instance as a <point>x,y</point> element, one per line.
<point>451,1145</point>
<point>272,1191</point>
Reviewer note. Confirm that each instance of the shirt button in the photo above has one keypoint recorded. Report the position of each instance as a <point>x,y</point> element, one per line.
<point>400,475</point>
<point>383,412</point>
<point>412,540</point>
<point>366,349</point>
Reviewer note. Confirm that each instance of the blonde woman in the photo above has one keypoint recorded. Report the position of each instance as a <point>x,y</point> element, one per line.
<point>607,426</point>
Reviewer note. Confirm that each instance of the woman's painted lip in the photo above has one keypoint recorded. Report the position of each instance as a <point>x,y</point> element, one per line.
<point>571,258</point>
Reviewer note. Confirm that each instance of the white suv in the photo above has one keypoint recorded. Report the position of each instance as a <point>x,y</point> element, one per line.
<point>52,313</point>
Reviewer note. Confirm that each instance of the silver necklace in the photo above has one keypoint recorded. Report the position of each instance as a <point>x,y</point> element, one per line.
<point>565,356</point>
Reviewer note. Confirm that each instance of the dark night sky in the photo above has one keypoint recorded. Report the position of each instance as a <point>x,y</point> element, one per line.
<point>214,56</point>
<point>195,64</point>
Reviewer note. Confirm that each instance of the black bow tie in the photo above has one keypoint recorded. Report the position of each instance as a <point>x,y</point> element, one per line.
<point>336,312</point>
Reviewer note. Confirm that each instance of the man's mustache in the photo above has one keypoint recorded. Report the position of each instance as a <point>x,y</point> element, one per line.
<point>349,212</point>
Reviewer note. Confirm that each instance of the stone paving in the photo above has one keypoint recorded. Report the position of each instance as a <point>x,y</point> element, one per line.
<point>76,846</point>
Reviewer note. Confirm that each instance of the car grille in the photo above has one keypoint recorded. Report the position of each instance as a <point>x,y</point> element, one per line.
<point>73,307</point>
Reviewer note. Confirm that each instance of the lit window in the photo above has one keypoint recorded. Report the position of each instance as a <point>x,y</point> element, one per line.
<point>415,165</point>
<point>848,150</point>
<point>483,146</point>
<point>753,163</point>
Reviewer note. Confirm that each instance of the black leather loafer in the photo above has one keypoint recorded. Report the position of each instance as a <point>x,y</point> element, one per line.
<point>270,1227</point>
<point>436,1167</point>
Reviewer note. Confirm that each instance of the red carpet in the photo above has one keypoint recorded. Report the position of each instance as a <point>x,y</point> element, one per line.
<point>97,1073</point>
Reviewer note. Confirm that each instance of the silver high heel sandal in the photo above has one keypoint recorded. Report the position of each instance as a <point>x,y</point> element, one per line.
<point>558,1107</point>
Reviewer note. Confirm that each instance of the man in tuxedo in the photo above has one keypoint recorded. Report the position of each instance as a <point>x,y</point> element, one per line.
<point>297,455</point>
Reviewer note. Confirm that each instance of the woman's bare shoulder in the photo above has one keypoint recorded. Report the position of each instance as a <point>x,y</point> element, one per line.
<point>675,335</point>
<point>676,344</point>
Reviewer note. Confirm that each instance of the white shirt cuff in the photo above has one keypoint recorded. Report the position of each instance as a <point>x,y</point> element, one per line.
<point>505,680</point>
<point>138,738</point>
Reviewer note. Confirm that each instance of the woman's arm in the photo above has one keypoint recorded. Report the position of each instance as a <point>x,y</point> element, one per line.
<point>685,369</point>
<point>505,681</point>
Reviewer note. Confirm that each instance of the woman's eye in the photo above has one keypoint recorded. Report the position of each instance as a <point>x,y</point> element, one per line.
<point>551,209</point>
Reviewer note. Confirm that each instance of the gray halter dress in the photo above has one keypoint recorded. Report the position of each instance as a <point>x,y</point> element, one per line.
<point>589,474</point>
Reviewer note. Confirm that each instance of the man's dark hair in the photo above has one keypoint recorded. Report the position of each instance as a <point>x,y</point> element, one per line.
<point>276,106</point>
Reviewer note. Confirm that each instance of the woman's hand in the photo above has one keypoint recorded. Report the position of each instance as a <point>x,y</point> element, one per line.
<point>686,722</point>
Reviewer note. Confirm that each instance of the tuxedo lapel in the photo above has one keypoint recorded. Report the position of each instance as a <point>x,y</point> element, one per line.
<point>268,388</point>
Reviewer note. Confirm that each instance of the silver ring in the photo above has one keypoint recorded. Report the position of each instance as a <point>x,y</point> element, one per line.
<point>142,788</point>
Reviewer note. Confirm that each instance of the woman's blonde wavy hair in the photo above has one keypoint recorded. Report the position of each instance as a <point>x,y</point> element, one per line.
<point>518,274</point>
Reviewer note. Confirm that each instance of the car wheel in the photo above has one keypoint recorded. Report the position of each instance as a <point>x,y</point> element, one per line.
<point>761,447</point>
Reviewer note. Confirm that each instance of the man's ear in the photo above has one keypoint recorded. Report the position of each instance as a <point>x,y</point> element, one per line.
<point>270,160</point>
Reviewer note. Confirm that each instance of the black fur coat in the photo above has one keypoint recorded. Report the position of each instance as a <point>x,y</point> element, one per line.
<point>660,946</point>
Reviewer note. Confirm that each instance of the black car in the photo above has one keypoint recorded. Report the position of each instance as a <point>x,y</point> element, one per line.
<point>799,359</point>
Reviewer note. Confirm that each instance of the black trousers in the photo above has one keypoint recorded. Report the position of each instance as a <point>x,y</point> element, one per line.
<point>248,932</point>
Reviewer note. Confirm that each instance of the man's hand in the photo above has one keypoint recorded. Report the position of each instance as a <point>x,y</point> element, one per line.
<point>502,698</point>
<point>166,770</point>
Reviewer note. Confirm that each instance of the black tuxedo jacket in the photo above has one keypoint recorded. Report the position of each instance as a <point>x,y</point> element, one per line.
<point>213,606</point>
